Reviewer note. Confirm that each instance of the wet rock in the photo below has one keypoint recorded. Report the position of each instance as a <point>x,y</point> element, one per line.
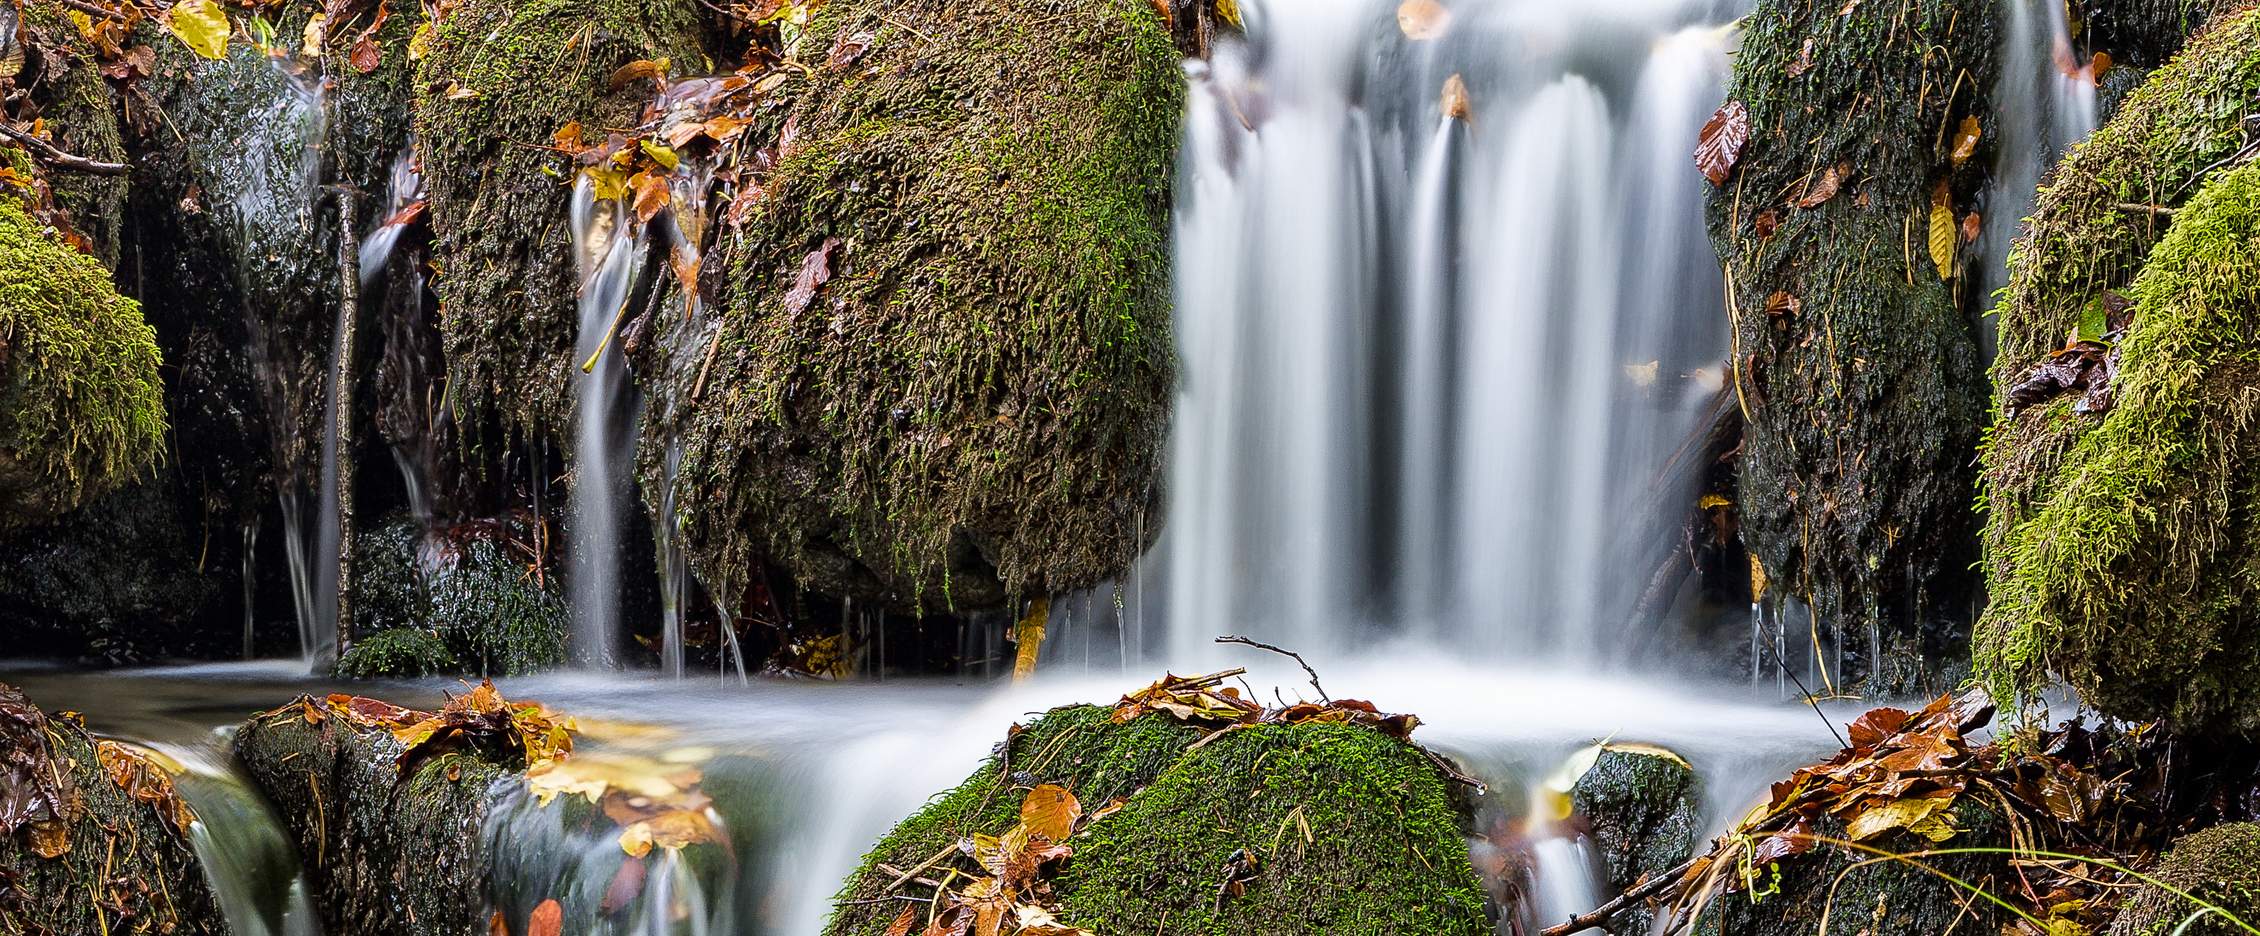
<point>2220,866</point>
<point>2120,545</point>
<point>1314,828</point>
<point>459,599</point>
<point>1864,399</point>
<point>114,582</point>
<point>971,405</point>
<point>383,853</point>
<point>1643,811</point>
<point>65,88</point>
<point>1838,892</point>
<point>80,854</point>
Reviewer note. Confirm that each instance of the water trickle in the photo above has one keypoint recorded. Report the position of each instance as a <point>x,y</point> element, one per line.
<point>674,568</point>
<point>2047,90</point>
<point>1428,361</point>
<point>610,249</point>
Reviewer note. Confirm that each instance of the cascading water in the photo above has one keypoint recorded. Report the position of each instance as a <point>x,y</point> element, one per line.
<point>610,249</point>
<point>1480,254</point>
<point>2056,85</point>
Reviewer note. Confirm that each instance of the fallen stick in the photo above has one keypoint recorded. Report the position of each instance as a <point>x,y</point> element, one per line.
<point>47,153</point>
<point>1604,913</point>
<point>1298,659</point>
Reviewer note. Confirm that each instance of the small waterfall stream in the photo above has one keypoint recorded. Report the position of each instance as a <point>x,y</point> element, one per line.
<point>610,249</point>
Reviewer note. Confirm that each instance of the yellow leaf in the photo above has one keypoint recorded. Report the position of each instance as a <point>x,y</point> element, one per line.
<point>202,26</point>
<point>660,154</point>
<point>1966,140</point>
<point>607,183</point>
<point>1652,750</point>
<point>1050,811</point>
<point>1711,501</point>
<point>1943,240</point>
<point>1897,814</point>
<point>1455,97</point>
<point>317,33</point>
<point>420,44</point>
<point>1229,10</point>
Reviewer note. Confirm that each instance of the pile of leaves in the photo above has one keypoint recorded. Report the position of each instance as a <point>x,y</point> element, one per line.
<point>656,804</point>
<point>2077,807</point>
<point>38,795</point>
<point>521,735</point>
<point>1205,700</point>
<point>1008,890</point>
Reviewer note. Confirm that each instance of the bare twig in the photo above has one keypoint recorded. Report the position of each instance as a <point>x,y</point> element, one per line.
<point>1808,694</point>
<point>1260,645</point>
<point>47,153</point>
<point>96,9</point>
<point>2159,210</point>
<point>1605,912</point>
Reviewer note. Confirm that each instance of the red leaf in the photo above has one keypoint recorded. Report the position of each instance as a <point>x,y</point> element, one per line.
<point>365,56</point>
<point>548,919</point>
<point>1720,146</point>
<point>815,271</point>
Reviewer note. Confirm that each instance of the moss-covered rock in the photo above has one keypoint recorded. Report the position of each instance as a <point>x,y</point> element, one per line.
<point>1853,360</point>
<point>1384,854</point>
<point>1643,811</point>
<point>383,853</point>
<point>453,600</point>
<point>1860,897</point>
<point>501,76</point>
<point>66,90</point>
<point>127,869</point>
<point>81,408</point>
<point>2121,545</point>
<point>2220,866</point>
<point>972,407</point>
<point>117,581</point>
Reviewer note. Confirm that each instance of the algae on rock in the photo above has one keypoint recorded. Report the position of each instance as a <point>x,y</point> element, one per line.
<point>2220,866</point>
<point>2121,545</point>
<point>81,409</point>
<point>971,407</point>
<point>1853,361</point>
<point>1384,851</point>
<point>1644,811</point>
<point>451,600</point>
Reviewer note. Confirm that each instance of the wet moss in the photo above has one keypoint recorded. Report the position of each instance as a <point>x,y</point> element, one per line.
<point>2220,866</point>
<point>1385,853</point>
<point>382,853</point>
<point>397,653</point>
<point>2124,548</point>
<point>81,408</point>
<point>1642,811</point>
<point>69,93</point>
<point>973,406</point>
<point>1858,897</point>
<point>453,601</point>
<point>1863,400</point>
<point>501,77</point>
<point>127,871</point>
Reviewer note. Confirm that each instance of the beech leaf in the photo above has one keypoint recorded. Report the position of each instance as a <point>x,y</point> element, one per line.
<point>1421,20</point>
<point>1720,145</point>
<point>1944,240</point>
<point>202,26</point>
<point>1050,811</point>
<point>1966,140</point>
<point>548,919</point>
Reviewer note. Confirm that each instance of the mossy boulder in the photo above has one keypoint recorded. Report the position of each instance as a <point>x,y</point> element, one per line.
<point>501,77</point>
<point>2121,543</point>
<point>451,600</point>
<point>81,409</point>
<point>1858,896</point>
<point>65,88</point>
<point>2220,866</point>
<point>1384,852</point>
<point>118,581</point>
<point>127,869</point>
<point>1643,811</point>
<point>972,406</point>
<point>383,853</point>
<point>1854,361</point>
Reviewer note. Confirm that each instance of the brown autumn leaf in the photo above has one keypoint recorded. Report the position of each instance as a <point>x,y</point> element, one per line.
<point>1782,304</point>
<point>2098,65</point>
<point>1050,811</point>
<point>365,56</point>
<point>1973,224</point>
<point>652,194</point>
<point>1455,98</point>
<point>1804,61</point>
<point>1421,20</point>
<point>1723,137</point>
<point>145,781</point>
<point>497,926</point>
<point>848,48</point>
<point>1820,191</point>
<point>1765,223</point>
<point>1966,140</point>
<point>548,919</point>
<point>909,915</point>
<point>655,69</point>
<point>51,839</point>
<point>815,271</point>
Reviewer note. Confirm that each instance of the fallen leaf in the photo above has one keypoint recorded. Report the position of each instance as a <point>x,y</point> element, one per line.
<point>1804,60</point>
<point>1229,12</point>
<point>1421,20</point>
<point>1943,240</point>
<point>548,919</point>
<point>316,35</point>
<point>654,69</point>
<point>1966,140</point>
<point>365,56</point>
<point>848,48</point>
<point>1723,137</point>
<point>1050,811</point>
<point>1765,223</point>
<point>903,922</point>
<point>1782,303</point>
<point>815,271</point>
<point>652,194</point>
<point>1830,182</point>
<point>202,25</point>
<point>1455,98</point>
<point>1972,225</point>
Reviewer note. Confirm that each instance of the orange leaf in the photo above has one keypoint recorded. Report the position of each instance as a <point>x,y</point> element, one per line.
<point>1423,19</point>
<point>1720,145</point>
<point>548,919</point>
<point>1050,811</point>
<point>651,194</point>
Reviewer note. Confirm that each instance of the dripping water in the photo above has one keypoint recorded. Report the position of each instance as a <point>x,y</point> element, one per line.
<point>610,249</point>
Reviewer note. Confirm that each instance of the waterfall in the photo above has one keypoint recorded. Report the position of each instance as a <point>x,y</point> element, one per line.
<point>610,249</point>
<point>1445,308</point>
<point>2053,90</point>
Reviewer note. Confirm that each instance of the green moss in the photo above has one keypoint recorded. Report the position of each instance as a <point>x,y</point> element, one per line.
<point>1644,812</point>
<point>2220,866</point>
<point>1864,403</point>
<point>81,408</point>
<point>397,653</point>
<point>1862,897</point>
<point>973,407</point>
<point>2125,553</point>
<point>71,96</point>
<point>1385,855</point>
<point>501,78</point>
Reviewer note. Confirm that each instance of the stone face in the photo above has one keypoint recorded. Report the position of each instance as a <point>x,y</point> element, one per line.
<point>452,600</point>
<point>127,869</point>
<point>971,407</point>
<point>1854,360</point>
<point>1822,893</point>
<point>2121,543</point>
<point>2220,866</point>
<point>1384,852</point>
<point>1644,812</point>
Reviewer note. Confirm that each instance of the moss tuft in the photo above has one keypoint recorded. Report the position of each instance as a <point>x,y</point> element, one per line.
<point>81,408</point>
<point>472,607</point>
<point>397,653</point>
<point>1386,853</point>
<point>2220,865</point>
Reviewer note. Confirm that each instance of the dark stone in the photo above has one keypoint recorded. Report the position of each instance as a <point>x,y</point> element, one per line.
<point>1643,811</point>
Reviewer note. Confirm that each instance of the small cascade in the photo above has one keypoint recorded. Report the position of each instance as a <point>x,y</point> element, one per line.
<point>250,590</point>
<point>1444,314</point>
<point>674,569</point>
<point>248,858</point>
<point>2048,103</point>
<point>610,249</point>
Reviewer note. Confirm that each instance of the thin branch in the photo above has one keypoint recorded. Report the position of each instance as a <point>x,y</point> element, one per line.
<point>96,9</point>
<point>1808,694</point>
<point>1260,645</point>
<point>47,153</point>
<point>2159,210</point>
<point>1605,912</point>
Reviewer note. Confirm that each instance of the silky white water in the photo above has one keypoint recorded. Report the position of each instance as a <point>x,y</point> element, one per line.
<point>610,251</point>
